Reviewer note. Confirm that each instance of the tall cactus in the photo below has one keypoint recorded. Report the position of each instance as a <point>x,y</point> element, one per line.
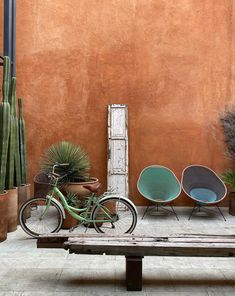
<point>12,138</point>
<point>18,180</point>
<point>4,122</point>
<point>22,137</point>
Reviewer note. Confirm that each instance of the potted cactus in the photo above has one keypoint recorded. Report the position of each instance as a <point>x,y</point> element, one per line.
<point>12,143</point>
<point>16,186</point>
<point>4,140</point>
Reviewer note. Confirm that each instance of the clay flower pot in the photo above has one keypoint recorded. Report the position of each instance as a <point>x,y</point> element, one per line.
<point>23,196</point>
<point>232,203</point>
<point>78,187</point>
<point>3,216</point>
<point>12,209</point>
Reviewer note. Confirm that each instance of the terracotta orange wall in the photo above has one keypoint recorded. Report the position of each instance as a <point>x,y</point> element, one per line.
<point>170,61</point>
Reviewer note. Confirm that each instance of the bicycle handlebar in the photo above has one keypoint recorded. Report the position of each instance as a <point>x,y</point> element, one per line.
<point>58,165</point>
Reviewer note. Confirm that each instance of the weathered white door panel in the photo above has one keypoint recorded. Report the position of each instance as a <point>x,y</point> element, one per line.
<point>118,149</point>
<point>118,121</point>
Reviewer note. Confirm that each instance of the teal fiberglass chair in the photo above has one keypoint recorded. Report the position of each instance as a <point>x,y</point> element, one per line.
<point>159,185</point>
<point>204,187</point>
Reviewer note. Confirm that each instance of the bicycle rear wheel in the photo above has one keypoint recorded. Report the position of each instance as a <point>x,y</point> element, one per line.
<point>35,219</point>
<point>122,213</point>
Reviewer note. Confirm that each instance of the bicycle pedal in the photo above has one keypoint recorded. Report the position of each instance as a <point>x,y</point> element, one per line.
<point>72,228</point>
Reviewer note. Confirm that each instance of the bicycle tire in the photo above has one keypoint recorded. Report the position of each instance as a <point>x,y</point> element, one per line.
<point>31,223</point>
<point>118,208</point>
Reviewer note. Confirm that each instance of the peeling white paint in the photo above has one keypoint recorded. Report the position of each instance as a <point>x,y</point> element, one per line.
<point>117,178</point>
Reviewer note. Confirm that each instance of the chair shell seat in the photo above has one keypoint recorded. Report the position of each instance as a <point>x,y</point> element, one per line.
<point>158,184</point>
<point>203,185</point>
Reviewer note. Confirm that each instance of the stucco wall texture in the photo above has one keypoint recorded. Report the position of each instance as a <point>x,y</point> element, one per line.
<point>170,61</point>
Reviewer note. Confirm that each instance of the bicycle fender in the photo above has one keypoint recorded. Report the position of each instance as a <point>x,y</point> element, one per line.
<point>59,205</point>
<point>119,196</point>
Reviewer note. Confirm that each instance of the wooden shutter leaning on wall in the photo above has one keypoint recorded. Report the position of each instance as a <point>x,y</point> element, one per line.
<point>117,179</point>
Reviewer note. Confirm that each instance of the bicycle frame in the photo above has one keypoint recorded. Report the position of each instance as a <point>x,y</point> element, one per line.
<point>85,213</point>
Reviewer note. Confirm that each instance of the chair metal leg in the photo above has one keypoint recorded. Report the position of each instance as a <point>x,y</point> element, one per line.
<point>206,209</point>
<point>157,207</point>
<point>173,210</point>
<point>145,212</point>
<point>220,212</point>
<point>195,206</point>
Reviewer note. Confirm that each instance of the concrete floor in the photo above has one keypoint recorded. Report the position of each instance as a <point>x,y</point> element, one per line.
<point>26,270</point>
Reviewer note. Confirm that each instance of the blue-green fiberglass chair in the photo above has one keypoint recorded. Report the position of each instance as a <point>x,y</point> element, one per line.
<point>159,185</point>
<point>204,187</point>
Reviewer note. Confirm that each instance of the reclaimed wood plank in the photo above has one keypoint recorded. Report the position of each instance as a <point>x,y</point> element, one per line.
<point>136,237</point>
<point>158,239</point>
<point>163,250</point>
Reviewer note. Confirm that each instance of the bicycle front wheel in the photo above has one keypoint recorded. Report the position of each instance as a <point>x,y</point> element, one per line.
<point>121,216</point>
<point>36,218</point>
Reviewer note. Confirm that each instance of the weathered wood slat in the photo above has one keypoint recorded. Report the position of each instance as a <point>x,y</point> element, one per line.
<point>152,249</point>
<point>104,236</point>
<point>154,240</point>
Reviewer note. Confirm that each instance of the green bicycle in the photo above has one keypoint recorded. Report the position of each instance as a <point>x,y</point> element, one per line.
<point>109,213</point>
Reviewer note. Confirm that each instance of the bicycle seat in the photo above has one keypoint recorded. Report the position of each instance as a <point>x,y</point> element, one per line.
<point>93,187</point>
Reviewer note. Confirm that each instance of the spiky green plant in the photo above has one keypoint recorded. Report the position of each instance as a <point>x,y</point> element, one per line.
<point>229,178</point>
<point>4,122</point>
<point>22,139</point>
<point>12,138</point>
<point>72,199</point>
<point>66,152</point>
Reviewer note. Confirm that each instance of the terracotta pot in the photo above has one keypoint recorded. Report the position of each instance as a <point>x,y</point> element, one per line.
<point>69,221</point>
<point>3,215</point>
<point>12,209</point>
<point>23,196</point>
<point>78,187</point>
<point>232,203</point>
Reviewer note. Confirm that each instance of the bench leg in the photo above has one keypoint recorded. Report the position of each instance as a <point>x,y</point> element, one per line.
<point>133,273</point>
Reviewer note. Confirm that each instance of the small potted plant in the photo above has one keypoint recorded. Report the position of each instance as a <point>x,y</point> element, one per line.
<point>229,179</point>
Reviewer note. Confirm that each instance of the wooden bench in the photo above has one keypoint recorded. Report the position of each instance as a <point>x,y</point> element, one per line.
<point>134,248</point>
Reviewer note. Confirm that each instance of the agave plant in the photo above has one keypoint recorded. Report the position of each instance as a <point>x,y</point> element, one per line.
<point>66,152</point>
